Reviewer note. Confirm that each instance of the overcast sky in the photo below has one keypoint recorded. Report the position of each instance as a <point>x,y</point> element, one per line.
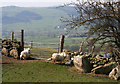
<point>34,3</point>
<point>38,3</point>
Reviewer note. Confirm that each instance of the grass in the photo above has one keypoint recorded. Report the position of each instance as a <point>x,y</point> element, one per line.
<point>42,52</point>
<point>41,71</point>
<point>44,72</point>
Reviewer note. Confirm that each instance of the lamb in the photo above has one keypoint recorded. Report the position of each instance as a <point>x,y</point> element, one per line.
<point>25,53</point>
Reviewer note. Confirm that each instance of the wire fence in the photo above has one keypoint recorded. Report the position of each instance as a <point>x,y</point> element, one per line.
<point>8,34</point>
<point>40,50</point>
<point>17,36</point>
<point>43,45</point>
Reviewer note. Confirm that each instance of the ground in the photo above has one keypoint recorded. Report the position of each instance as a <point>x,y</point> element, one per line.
<point>14,70</point>
<point>42,71</point>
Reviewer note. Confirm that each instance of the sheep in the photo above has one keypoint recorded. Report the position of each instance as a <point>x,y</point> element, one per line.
<point>25,53</point>
<point>58,56</point>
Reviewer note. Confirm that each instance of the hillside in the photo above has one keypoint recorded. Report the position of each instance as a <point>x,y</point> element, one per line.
<point>23,16</point>
<point>40,24</point>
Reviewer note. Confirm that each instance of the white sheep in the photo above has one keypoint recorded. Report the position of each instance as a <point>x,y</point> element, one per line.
<point>58,56</point>
<point>25,53</point>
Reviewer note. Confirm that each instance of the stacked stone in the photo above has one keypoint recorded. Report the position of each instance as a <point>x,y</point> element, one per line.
<point>10,48</point>
<point>99,60</point>
<point>97,64</point>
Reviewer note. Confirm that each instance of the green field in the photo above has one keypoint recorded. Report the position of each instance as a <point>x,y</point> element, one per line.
<point>44,72</point>
<point>38,52</point>
<point>41,71</point>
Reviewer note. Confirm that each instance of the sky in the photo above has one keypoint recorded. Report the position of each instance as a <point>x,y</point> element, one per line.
<point>37,3</point>
<point>34,3</point>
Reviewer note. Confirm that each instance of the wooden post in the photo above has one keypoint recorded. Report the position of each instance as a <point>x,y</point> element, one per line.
<point>58,47</point>
<point>61,43</point>
<point>31,44</point>
<point>93,48</point>
<point>12,36</point>
<point>81,46</point>
<point>22,40</point>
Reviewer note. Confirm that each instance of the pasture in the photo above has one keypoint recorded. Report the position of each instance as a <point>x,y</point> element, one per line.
<point>44,72</point>
<point>14,70</point>
<point>44,31</point>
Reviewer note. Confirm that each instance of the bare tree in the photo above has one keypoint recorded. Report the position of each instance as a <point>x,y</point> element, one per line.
<point>101,18</point>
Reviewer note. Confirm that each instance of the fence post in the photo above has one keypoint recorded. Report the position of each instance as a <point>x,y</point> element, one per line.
<point>12,36</point>
<point>22,40</point>
<point>31,44</point>
<point>58,47</point>
<point>93,48</point>
<point>80,50</point>
<point>61,43</point>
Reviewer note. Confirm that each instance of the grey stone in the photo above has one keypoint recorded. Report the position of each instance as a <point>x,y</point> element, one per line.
<point>82,63</point>
<point>104,69</point>
<point>115,73</point>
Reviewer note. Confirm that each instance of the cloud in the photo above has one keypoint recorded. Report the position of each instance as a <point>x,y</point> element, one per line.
<point>34,3</point>
<point>37,0</point>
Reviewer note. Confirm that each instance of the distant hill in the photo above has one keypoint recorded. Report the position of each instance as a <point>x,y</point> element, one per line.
<point>24,16</point>
<point>66,9</point>
<point>39,23</point>
<point>21,15</point>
